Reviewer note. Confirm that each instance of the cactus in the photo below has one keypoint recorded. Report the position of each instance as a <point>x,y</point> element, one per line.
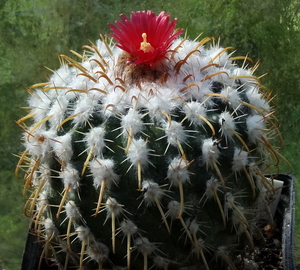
<point>149,153</point>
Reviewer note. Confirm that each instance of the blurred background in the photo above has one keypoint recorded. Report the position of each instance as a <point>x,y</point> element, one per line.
<point>34,32</point>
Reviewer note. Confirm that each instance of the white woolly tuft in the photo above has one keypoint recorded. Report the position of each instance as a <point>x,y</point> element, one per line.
<point>42,200</point>
<point>193,110</point>
<point>62,146</point>
<point>230,202</point>
<point>161,101</point>
<point>175,132</point>
<point>185,47</point>
<point>95,139</point>
<point>103,169</point>
<point>212,186</point>
<point>177,171</point>
<point>210,151</point>
<point>256,99</point>
<point>128,227</point>
<point>152,191</point>
<point>202,95</point>
<point>232,96</point>
<point>72,210</point>
<point>63,76</point>
<point>44,175</point>
<point>229,198</point>
<point>136,97</point>
<point>40,104</point>
<point>98,252</point>
<point>255,127</point>
<point>240,159</point>
<point>83,233</point>
<point>238,218</point>
<point>85,107</point>
<point>193,226</point>
<point>50,228</point>
<point>82,82</point>
<point>160,262</point>
<point>70,177</point>
<point>173,209</point>
<point>101,47</point>
<point>247,73</point>
<point>112,206</point>
<point>114,102</point>
<point>220,58</point>
<point>138,152</point>
<point>144,246</point>
<point>58,110</point>
<point>38,143</point>
<point>227,125</point>
<point>132,121</point>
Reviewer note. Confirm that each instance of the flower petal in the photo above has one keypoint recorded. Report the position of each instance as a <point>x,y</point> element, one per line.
<point>145,36</point>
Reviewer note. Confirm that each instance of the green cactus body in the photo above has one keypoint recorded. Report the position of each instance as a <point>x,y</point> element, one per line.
<point>141,166</point>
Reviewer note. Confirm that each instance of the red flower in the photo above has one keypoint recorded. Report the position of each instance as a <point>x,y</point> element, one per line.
<point>145,36</point>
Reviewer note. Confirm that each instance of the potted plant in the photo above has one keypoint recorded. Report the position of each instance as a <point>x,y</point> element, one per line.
<point>148,154</point>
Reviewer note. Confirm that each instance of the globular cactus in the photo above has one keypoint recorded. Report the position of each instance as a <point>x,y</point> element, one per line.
<point>149,153</point>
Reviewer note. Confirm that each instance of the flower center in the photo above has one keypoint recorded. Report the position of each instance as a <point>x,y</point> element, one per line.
<point>146,46</point>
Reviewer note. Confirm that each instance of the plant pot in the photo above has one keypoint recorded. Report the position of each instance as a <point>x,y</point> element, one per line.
<point>285,210</point>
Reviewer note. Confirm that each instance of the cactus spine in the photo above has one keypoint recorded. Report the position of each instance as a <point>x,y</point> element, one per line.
<point>148,154</point>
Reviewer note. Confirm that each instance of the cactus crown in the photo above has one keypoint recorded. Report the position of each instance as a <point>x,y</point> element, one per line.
<point>148,154</point>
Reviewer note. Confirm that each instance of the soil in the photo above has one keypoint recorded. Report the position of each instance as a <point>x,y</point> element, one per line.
<point>267,251</point>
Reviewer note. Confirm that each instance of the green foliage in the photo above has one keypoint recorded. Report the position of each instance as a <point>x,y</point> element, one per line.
<point>13,224</point>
